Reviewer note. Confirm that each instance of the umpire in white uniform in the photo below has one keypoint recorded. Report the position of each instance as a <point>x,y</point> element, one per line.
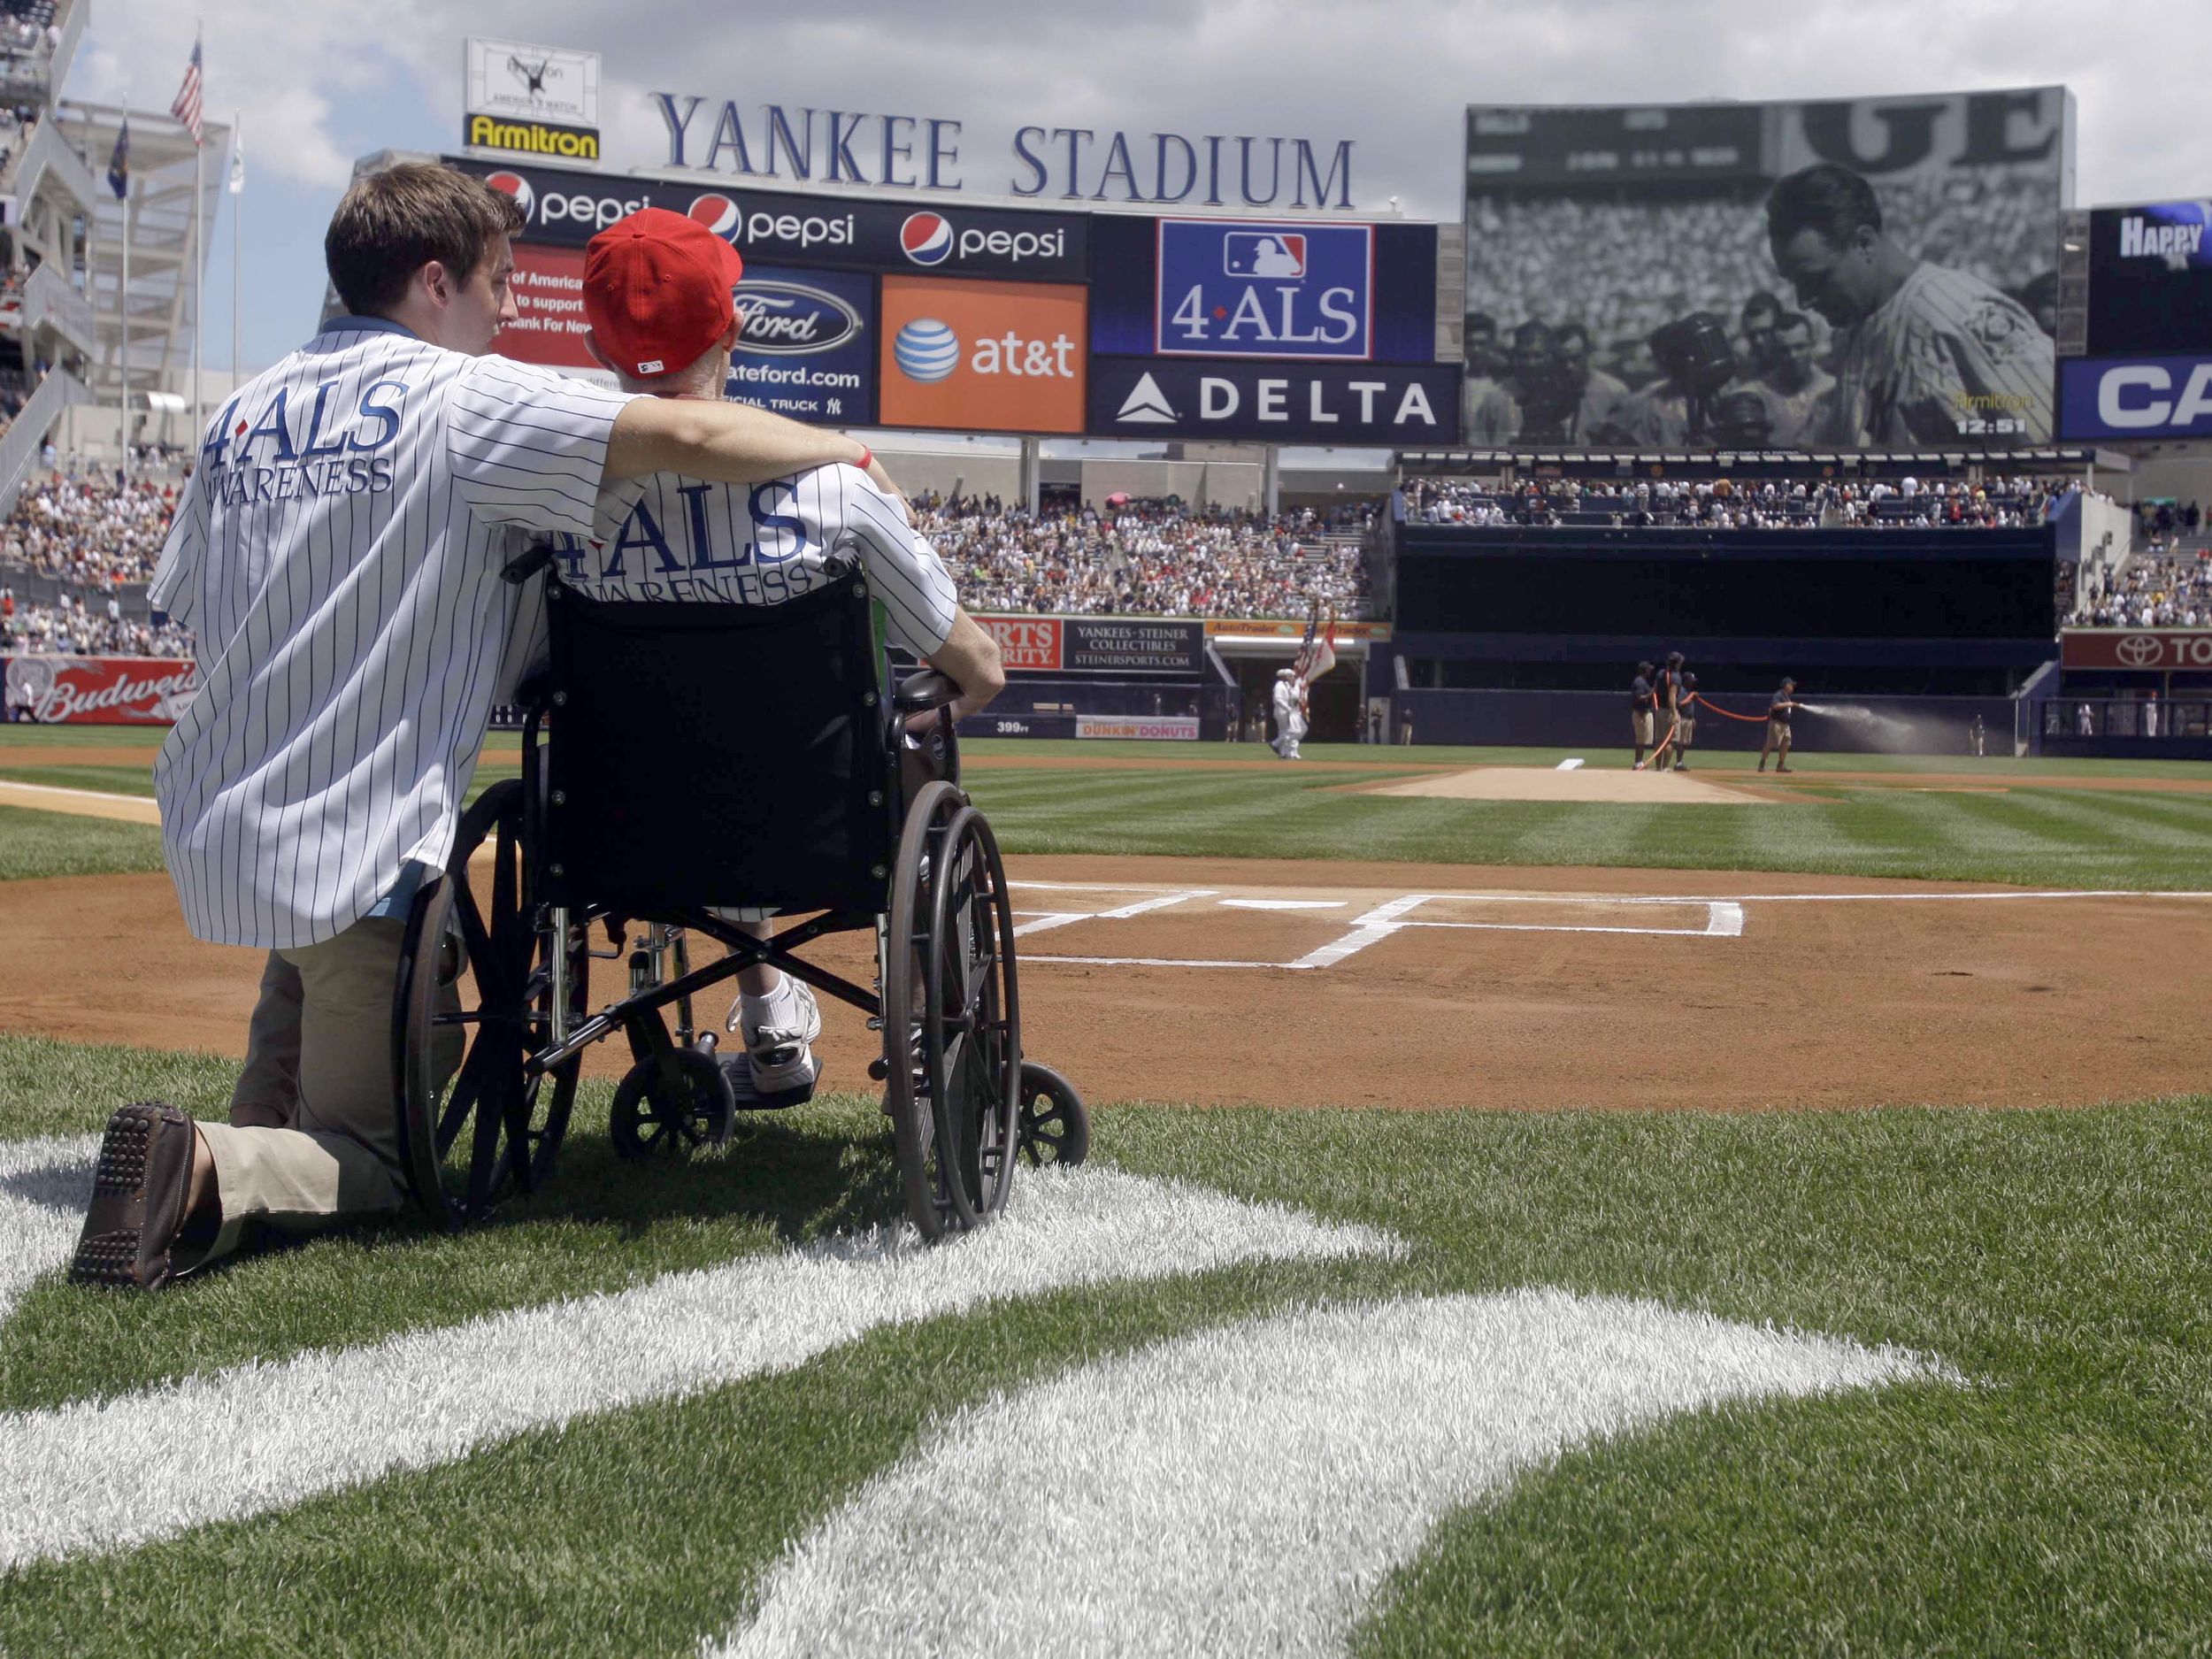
<point>338,555</point>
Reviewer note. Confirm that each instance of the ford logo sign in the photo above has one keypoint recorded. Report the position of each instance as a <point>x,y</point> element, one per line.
<point>787,319</point>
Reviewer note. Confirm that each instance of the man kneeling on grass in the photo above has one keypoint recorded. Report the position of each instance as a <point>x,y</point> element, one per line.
<point>338,553</point>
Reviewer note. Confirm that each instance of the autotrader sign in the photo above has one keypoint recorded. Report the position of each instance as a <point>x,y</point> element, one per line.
<point>2143,650</point>
<point>1276,403</point>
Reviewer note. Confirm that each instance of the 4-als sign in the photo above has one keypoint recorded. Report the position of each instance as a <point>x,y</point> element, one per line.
<point>1235,288</point>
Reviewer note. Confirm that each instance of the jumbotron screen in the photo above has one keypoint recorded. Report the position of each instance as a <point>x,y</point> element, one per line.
<point>2150,279</point>
<point>1861,273</point>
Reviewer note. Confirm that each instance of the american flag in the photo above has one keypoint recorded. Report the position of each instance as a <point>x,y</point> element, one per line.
<point>186,108</point>
<point>1317,652</point>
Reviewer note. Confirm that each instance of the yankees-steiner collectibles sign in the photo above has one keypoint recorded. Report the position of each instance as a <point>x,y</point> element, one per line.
<point>2146,650</point>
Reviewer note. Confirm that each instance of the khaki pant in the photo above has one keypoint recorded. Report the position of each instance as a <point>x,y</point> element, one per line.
<point>313,1136</point>
<point>1640,723</point>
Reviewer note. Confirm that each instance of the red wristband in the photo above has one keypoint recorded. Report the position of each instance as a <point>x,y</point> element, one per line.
<point>866,456</point>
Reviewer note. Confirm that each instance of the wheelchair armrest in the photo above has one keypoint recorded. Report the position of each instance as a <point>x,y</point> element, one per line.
<point>527,564</point>
<point>929,689</point>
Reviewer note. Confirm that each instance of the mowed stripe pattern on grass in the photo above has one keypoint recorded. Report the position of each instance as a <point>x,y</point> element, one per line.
<point>1247,1490</point>
<point>106,1474</point>
<point>2035,838</point>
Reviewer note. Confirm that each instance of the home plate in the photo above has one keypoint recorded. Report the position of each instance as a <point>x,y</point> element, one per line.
<point>1544,783</point>
<point>1282,904</point>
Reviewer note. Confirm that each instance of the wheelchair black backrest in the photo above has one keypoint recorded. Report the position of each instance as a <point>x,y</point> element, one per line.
<point>702,753</point>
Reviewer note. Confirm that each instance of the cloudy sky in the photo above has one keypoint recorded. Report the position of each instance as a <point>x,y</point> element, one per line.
<point>321,82</point>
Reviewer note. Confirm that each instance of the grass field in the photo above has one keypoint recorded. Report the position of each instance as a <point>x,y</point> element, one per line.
<point>2107,837</point>
<point>1626,1437</point>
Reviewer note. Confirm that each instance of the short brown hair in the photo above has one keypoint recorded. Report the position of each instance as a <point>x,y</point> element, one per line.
<point>391,224</point>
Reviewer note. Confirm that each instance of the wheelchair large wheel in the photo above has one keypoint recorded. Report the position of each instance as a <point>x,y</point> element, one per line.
<point>475,1000</point>
<point>952,1024</point>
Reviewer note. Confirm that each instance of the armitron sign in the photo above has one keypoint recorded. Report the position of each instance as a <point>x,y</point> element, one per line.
<point>2141,651</point>
<point>533,138</point>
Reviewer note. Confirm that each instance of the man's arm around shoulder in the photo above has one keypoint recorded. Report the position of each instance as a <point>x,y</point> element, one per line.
<point>725,443</point>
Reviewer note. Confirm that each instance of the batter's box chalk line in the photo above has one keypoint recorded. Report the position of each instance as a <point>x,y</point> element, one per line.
<point>1724,919</point>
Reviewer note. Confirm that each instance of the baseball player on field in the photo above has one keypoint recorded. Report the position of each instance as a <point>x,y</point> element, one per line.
<point>1924,354</point>
<point>338,553</point>
<point>657,296</point>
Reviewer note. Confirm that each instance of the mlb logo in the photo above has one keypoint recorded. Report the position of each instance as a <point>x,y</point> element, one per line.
<point>1275,253</point>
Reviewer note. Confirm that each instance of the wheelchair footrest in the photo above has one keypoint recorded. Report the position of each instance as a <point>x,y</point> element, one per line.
<point>739,1071</point>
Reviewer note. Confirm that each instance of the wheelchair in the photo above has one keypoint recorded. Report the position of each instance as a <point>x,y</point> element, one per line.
<point>681,762</point>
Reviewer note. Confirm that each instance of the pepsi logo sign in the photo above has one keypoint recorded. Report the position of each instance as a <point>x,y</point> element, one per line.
<point>930,239</point>
<point>926,238</point>
<point>515,185</point>
<point>792,319</point>
<point>718,212</point>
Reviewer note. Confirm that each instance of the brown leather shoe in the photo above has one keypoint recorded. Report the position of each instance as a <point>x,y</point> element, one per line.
<point>138,1198</point>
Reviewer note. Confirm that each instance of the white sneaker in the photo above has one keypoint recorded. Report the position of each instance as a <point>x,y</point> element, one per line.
<point>780,1054</point>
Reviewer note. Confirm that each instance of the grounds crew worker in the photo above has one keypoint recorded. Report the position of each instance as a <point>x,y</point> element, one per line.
<point>1668,693</point>
<point>1685,719</point>
<point>338,553</point>
<point>1782,705</point>
<point>1640,705</point>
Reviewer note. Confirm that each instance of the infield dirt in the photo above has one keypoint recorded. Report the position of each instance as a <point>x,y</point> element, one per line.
<point>1525,987</point>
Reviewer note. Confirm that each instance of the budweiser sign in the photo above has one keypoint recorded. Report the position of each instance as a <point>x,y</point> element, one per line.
<point>100,690</point>
<point>2147,650</point>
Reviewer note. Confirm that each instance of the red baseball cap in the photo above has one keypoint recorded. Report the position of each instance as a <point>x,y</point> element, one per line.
<point>657,291</point>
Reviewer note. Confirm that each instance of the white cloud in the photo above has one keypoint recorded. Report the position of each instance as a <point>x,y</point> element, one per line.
<point>1393,78</point>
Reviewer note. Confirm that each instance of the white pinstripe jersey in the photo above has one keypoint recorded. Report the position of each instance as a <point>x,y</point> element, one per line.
<point>338,555</point>
<point>1946,349</point>
<point>666,537</point>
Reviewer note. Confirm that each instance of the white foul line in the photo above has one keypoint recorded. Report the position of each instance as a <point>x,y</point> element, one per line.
<point>1061,918</point>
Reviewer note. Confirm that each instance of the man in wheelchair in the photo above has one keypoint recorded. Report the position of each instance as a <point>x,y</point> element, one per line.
<point>711,741</point>
<point>658,296</point>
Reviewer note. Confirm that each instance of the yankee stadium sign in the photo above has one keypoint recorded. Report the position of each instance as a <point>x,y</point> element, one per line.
<point>911,152</point>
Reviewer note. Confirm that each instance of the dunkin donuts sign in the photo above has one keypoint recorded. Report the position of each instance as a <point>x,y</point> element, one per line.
<point>99,690</point>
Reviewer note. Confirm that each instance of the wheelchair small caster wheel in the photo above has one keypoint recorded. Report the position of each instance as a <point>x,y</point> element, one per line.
<point>1054,1125</point>
<point>646,1122</point>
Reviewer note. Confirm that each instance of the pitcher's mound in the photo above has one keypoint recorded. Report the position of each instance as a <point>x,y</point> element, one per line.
<point>1538,783</point>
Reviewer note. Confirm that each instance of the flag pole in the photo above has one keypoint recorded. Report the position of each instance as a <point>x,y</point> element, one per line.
<point>199,279</point>
<point>237,268</point>
<point>123,334</point>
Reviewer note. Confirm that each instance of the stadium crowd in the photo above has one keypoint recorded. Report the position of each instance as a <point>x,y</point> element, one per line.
<point>2161,587</point>
<point>1149,558</point>
<point>1726,504</point>
<point>73,627</point>
<point>89,531</point>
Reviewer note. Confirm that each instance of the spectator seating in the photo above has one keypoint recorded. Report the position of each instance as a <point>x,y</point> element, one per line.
<point>1736,505</point>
